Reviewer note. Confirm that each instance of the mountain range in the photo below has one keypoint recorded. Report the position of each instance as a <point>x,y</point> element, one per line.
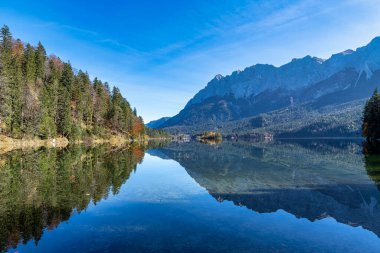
<point>303,97</point>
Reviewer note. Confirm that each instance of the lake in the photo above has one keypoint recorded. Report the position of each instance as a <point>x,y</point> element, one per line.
<point>282,196</point>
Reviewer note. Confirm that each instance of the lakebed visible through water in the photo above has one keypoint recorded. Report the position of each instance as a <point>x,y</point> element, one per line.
<point>289,196</point>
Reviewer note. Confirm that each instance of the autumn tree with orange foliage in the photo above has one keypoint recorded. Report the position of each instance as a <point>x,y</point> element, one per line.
<point>138,127</point>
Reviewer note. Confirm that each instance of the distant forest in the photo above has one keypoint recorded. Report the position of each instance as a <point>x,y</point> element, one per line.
<point>43,96</point>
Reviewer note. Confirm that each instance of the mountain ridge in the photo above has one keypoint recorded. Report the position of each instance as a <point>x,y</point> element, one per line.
<point>344,77</point>
<point>307,62</point>
<point>156,123</point>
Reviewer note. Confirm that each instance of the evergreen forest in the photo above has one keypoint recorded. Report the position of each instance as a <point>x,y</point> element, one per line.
<point>45,97</point>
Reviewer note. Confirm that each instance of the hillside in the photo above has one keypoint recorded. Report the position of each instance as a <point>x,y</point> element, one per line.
<point>303,87</point>
<point>157,123</point>
<point>43,97</point>
<point>299,121</point>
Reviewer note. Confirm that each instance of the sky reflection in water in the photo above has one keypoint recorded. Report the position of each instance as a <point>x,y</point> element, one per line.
<point>232,197</point>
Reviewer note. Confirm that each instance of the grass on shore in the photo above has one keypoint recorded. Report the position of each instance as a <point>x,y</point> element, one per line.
<point>8,144</point>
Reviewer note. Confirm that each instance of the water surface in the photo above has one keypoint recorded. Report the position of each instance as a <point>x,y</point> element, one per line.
<point>308,196</point>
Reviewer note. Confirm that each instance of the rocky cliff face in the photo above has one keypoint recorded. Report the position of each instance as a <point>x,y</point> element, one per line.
<point>345,77</point>
<point>297,74</point>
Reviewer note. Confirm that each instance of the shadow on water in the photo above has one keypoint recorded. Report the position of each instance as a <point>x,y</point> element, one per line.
<point>309,179</point>
<point>39,190</point>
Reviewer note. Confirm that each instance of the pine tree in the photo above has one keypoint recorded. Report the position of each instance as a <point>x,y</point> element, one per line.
<point>64,119</point>
<point>67,78</point>
<point>16,89</point>
<point>63,112</point>
<point>77,98</point>
<point>49,101</point>
<point>5,75</point>
<point>46,127</point>
<point>371,118</point>
<point>30,103</point>
<point>40,59</point>
<point>100,110</point>
<point>88,93</point>
<point>116,109</point>
<point>29,64</point>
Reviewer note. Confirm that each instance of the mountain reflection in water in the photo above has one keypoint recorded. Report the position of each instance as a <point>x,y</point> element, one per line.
<point>309,179</point>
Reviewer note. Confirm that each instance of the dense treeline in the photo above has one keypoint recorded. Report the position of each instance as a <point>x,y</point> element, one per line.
<point>371,118</point>
<point>156,133</point>
<point>43,96</point>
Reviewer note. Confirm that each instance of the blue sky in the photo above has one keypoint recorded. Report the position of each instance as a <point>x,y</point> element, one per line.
<point>160,53</point>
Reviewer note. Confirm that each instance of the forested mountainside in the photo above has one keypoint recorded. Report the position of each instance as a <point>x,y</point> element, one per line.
<point>42,96</point>
<point>342,120</point>
<point>309,84</point>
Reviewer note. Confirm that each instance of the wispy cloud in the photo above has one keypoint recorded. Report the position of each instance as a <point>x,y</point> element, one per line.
<point>77,29</point>
<point>168,75</point>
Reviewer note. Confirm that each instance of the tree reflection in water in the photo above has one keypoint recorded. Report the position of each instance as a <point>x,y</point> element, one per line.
<point>39,190</point>
<point>371,151</point>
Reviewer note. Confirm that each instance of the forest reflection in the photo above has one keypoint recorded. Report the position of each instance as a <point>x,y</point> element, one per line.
<point>371,151</point>
<point>40,189</point>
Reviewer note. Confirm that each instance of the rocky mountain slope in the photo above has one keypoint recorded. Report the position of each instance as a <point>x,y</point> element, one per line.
<point>345,78</point>
<point>156,123</point>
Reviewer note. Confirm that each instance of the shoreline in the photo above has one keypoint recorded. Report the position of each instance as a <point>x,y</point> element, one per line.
<point>8,144</point>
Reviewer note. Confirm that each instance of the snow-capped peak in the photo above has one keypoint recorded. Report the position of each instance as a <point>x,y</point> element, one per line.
<point>300,72</point>
<point>347,52</point>
<point>218,77</point>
